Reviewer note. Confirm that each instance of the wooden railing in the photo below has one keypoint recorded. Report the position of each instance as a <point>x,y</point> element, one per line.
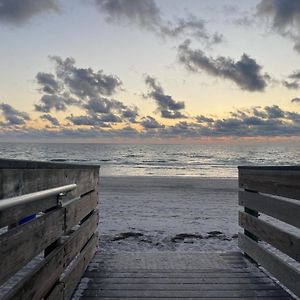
<point>49,214</point>
<point>259,191</point>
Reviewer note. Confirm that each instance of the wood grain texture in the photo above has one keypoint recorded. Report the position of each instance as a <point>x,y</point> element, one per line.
<point>42,278</point>
<point>84,242</point>
<point>80,237</point>
<point>32,164</point>
<point>79,209</point>
<point>19,245</point>
<point>50,232</point>
<point>126,275</point>
<point>38,283</point>
<point>77,269</point>
<point>286,211</point>
<point>15,182</point>
<point>57,293</point>
<point>286,274</point>
<point>276,181</point>
<point>278,238</point>
<point>14,214</point>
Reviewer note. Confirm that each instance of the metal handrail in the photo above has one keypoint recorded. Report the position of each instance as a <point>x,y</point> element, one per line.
<point>28,198</point>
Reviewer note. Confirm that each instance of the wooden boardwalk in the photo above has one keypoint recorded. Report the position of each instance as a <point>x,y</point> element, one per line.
<point>50,211</point>
<point>175,275</point>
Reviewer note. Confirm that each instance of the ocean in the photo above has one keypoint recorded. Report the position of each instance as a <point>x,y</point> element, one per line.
<point>212,160</point>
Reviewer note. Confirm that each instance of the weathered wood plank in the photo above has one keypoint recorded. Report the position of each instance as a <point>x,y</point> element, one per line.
<point>81,237</point>
<point>182,286</point>
<point>179,280</point>
<point>74,274</point>
<point>198,294</point>
<point>186,298</point>
<point>40,280</point>
<point>282,182</point>
<point>31,164</point>
<point>111,280</point>
<point>15,182</point>
<point>57,293</point>
<point>284,241</point>
<point>78,209</point>
<point>37,284</point>
<point>173,274</point>
<point>280,209</point>
<point>286,274</point>
<point>14,214</point>
<point>19,245</point>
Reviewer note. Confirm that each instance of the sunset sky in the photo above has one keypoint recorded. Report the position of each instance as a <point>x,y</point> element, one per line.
<point>146,70</point>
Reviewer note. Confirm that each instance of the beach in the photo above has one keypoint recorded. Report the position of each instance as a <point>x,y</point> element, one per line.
<point>151,213</point>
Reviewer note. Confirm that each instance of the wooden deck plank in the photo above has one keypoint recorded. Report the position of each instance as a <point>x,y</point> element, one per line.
<point>157,286</point>
<point>175,275</point>
<point>186,298</point>
<point>183,274</point>
<point>181,293</point>
<point>182,280</point>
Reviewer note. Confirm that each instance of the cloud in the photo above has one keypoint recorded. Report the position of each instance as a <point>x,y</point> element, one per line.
<point>48,83</point>
<point>100,105</point>
<point>283,16</point>
<point>18,12</point>
<point>204,119</point>
<point>86,89</point>
<point>85,82</point>
<point>70,85</point>
<point>295,75</point>
<point>274,112</point>
<point>50,102</point>
<point>167,106</point>
<point>109,110</point>
<point>295,100</point>
<point>148,16</point>
<point>130,114</point>
<point>295,83</point>
<point>12,116</point>
<point>93,120</point>
<point>268,121</point>
<point>51,119</point>
<point>150,123</point>
<point>245,73</point>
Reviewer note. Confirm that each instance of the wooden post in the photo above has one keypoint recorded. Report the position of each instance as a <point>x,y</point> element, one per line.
<point>253,213</point>
<point>252,236</point>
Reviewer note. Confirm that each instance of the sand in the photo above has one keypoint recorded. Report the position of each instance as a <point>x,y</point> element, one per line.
<point>149,213</point>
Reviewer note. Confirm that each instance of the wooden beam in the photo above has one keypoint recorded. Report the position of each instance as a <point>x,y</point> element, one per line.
<point>37,283</point>
<point>43,278</point>
<point>32,164</point>
<point>57,293</point>
<point>77,210</point>
<point>15,182</point>
<point>283,210</point>
<point>278,238</point>
<point>19,245</point>
<point>14,214</point>
<point>77,269</point>
<point>282,182</point>
<point>81,236</point>
<point>286,274</point>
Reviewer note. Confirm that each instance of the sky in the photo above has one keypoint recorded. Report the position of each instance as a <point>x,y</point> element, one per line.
<point>165,71</point>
